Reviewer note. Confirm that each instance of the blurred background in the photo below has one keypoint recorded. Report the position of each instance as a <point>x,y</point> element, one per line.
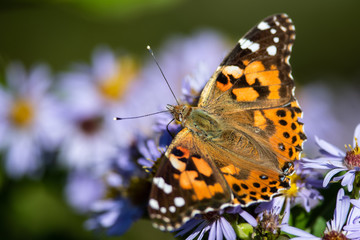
<point>71,39</point>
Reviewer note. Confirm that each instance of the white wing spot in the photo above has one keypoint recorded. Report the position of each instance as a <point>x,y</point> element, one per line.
<point>179,201</point>
<point>263,26</point>
<point>161,184</point>
<point>235,71</point>
<point>172,209</point>
<point>167,188</point>
<point>169,228</point>
<point>273,31</point>
<point>271,50</point>
<point>254,47</point>
<point>162,228</point>
<point>283,28</point>
<point>165,219</point>
<point>154,204</point>
<point>163,210</point>
<point>276,39</point>
<point>245,43</point>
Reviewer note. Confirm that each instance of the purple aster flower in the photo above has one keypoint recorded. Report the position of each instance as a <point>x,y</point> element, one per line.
<point>336,161</point>
<point>335,227</point>
<point>92,135</point>
<point>30,119</point>
<point>215,223</point>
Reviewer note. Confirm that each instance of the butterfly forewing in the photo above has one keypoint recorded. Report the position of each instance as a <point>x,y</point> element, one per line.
<point>256,73</point>
<point>187,182</point>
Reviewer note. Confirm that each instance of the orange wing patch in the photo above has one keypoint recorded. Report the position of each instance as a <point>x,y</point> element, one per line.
<point>245,94</point>
<point>202,190</point>
<point>259,120</point>
<point>256,186</point>
<point>256,71</point>
<point>202,166</point>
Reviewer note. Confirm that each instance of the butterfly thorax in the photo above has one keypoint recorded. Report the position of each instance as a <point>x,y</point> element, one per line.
<point>196,119</point>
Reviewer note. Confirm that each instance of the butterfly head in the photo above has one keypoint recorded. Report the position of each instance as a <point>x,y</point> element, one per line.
<point>180,112</point>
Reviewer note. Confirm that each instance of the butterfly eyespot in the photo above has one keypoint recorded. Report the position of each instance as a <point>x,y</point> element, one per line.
<point>264,177</point>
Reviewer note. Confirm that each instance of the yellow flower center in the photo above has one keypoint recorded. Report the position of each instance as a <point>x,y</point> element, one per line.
<point>293,190</point>
<point>21,113</point>
<point>114,87</point>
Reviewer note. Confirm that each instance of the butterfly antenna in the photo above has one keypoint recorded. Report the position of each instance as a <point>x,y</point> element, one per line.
<point>168,130</point>
<point>162,73</point>
<point>141,116</point>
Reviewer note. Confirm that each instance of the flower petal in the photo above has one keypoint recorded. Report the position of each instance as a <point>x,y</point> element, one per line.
<point>203,232</point>
<point>355,202</point>
<point>348,180</point>
<point>227,229</point>
<point>328,147</point>
<point>329,175</point>
<point>298,232</point>
<point>219,233</point>
<point>356,134</point>
<point>196,231</point>
<point>324,163</point>
<point>341,210</point>
<point>212,234</point>
<point>249,218</point>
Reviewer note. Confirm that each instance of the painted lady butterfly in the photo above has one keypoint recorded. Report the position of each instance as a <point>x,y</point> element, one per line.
<point>238,145</point>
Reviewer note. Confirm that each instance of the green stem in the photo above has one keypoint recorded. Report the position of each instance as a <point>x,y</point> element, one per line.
<point>356,189</point>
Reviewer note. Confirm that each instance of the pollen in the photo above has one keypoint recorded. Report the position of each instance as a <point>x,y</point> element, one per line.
<point>113,87</point>
<point>269,222</point>
<point>352,158</point>
<point>294,188</point>
<point>21,113</point>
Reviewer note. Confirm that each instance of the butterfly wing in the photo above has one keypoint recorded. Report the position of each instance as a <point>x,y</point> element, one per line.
<point>252,92</point>
<point>256,73</point>
<point>187,182</point>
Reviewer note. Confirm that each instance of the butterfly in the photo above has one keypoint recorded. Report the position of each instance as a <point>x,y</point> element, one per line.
<point>239,144</point>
